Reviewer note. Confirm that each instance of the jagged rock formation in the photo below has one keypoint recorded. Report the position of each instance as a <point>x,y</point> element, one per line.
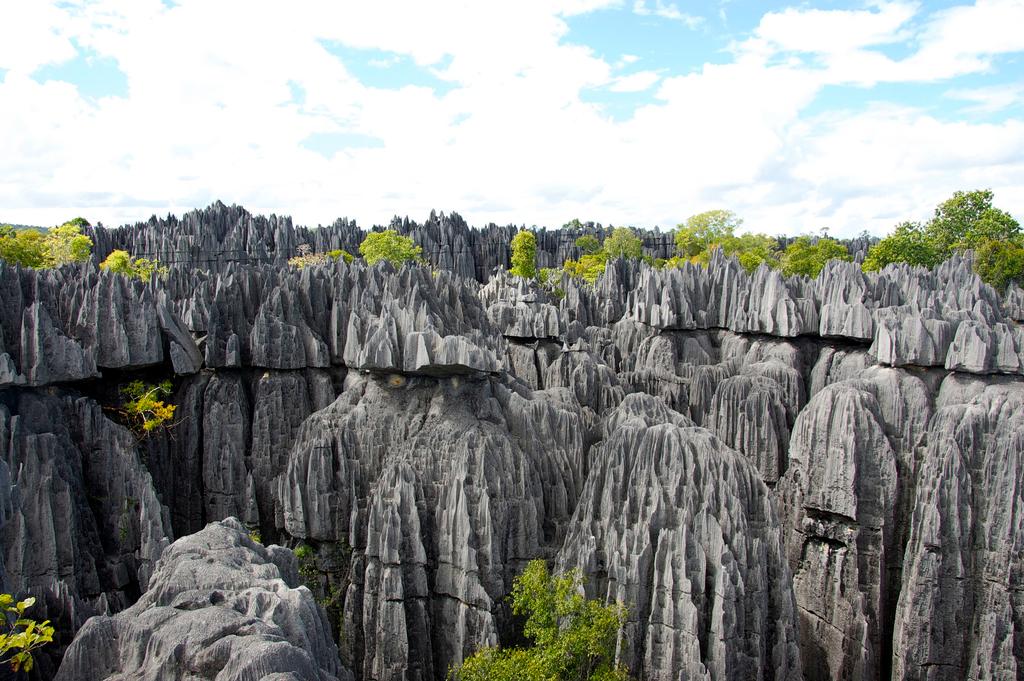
<point>442,489</point>
<point>784,477</point>
<point>693,546</point>
<point>219,606</point>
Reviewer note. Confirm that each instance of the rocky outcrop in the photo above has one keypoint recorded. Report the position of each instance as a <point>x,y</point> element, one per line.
<point>963,558</point>
<point>749,460</point>
<point>219,606</point>
<point>442,489</point>
<point>693,546</point>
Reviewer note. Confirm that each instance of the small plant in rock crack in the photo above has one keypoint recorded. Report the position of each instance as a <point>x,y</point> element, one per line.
<point>21,636</point>
<point>144,405</point>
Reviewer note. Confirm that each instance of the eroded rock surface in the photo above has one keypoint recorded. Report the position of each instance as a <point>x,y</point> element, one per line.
<point>219,606</point>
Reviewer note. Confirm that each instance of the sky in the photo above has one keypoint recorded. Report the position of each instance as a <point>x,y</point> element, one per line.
<point>849,116</point>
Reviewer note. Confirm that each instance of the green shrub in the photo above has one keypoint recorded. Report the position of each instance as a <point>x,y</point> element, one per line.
<point>524,255</point>
<point>573,637</point>
<point>66,244</point>
<point>807,257</point>
<point>121,262</point>
<point>25,247</point>
<point>306,258</point>
<point>21,636</point>
<point>999,262</point>
<point>144,406</point>
<point>391,246</point>
<point>588,267</point>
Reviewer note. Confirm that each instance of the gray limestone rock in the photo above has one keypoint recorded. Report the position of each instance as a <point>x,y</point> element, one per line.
<point>838,499</point>
<point>219,606</point>
<point>958,615</point>
<point>681,529</point>
<point>443,489</point>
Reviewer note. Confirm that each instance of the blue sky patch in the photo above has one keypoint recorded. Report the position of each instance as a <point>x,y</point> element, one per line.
<point>327,144</point>
<point>94,76</point>
<point>389,70</point>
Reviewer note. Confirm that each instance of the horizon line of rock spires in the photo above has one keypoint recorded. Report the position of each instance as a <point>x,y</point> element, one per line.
<point>69,324</point>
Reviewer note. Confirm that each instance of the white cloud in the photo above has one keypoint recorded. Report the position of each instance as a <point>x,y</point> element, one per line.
<point>835,31</point>
<point>512,141</point>
<point>666,10</point>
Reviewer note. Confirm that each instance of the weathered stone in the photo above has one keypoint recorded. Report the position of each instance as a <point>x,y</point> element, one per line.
<point>219,606</point>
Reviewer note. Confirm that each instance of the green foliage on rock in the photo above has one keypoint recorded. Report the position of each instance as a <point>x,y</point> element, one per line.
<point>701,234</point>
<point>391,246</point>
<point>908,243</point>
<point>121,262</point>
<point>144,406</point>
<point>54,247</point>
<point>704,230</point>
<point>588,267</point>
<point>999,262</point>
<point>306,257</point>
<point>623,243</point>
<point>524,255</point>
<point>25,247</point>
<point>21,636</point>
<point>66,244</point>
<point>967,220</point>
<point>807,257</point>
<point>588,244</point>
<point>573,637</point>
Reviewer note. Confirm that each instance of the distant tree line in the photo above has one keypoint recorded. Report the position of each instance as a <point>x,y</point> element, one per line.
<point>966,221</point>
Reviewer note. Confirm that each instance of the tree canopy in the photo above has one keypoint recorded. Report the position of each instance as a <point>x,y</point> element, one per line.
<point>702,231</point>
<point>573,638</point>
<point>391,246</point>
<point>588,244</point>
<point>524,255</point>
<point>624,243</point>
<point>806,256</point>
<point>966,220</point>
<point>38,249</point>
<point>908,243</point>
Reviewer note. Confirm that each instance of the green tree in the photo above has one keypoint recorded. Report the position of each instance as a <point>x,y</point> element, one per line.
<point>701,231</point>
<point>21,636</point>
<point>588,243</point>
<point>66,244</point>
<point>623,243</point>
<point>588,267</point>
<point>573,637</point>
<point>753,250</point>
<point>908,243</point>
<point>121,262</point>
<point>967,219</point>
<point>391,246</point>
<point>999,262</point>
<point>807,257</point>
<point>25,247</point>
<point>524,255</point>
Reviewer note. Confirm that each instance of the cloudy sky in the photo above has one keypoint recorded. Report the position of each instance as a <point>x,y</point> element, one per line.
<point>846,115</point>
